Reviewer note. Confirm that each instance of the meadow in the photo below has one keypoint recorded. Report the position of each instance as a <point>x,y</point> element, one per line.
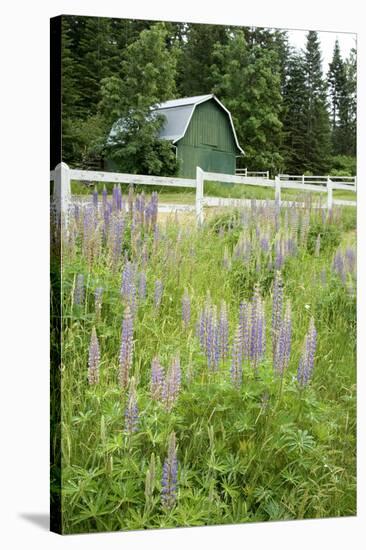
<point>208,373</point>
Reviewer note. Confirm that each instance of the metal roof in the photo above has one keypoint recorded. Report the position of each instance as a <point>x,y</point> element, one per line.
<point>178,113</point>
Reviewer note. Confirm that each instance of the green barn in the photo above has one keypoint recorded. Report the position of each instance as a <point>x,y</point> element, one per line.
<point>202,131</point>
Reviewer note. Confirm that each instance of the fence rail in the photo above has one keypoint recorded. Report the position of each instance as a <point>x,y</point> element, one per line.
<point>62,176</point>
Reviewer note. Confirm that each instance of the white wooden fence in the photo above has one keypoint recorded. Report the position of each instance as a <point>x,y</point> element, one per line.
<point>244,172</point>
<point>62,176</point>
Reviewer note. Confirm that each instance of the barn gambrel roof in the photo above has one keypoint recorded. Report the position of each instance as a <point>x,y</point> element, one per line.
<point>178,114</point>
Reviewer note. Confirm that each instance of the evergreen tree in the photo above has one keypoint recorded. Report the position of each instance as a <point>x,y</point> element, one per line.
<point>194,68</point>
<point>317,137</point>
<point>248,82</point>
<point>294,114</point>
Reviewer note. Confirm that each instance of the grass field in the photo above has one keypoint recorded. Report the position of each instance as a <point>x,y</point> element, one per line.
<point>188,397</point>
<point>180,195</point>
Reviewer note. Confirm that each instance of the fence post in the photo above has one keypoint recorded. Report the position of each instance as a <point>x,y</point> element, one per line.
<point>330,193</point>
<point>62,189</point>
<point>199,195</point>
<point>246,172</point>
<point>267,174</point>
<point>278,190</point>
<point>303,179</point>
<point>355,182</point>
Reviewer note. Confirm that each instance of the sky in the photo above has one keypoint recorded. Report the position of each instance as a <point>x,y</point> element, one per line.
<point>327,39</point>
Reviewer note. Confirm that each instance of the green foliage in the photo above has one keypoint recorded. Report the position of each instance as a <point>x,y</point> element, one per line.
<point>149,68</point>
<point>248,82</point>
<point>343,165</point>
<point>266,451</point>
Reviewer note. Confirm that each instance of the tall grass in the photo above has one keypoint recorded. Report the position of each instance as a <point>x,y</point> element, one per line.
<point>268,449</point>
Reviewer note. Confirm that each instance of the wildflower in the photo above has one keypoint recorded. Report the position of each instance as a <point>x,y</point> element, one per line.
<point>223,331</point>
<point>79,292</point>
<point>98,295</point>
<point>170,476</point>
<point>306,363</point>
<point>257,330</point>
<point>244,323</point>
<point>126,351</point>
<point>157,379</point>
<point>237,358</point>
<point>131,412</point>
<point>171,384</point>
<point>277,306</point>
<point>142,285</point>
<point>283,346</point>
<point>158,293</point>
<point>94,358</point>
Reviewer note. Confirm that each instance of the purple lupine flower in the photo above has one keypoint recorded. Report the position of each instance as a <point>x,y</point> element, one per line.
<point>257,330</point>
<point>98,297</point>
<point>186,308</point>
<point>126,350</point>
<point>338,266</point>
<point>223,331</point>
<point>128,280</point>
<point>142,285</point>
<point>158,293</point>
<point>79,290</point>
<point>170,476</point>
<point>94,358</point>
<point>172,384</point>
<point>283,347</point>
<point>131,411</point>
<point>244,324</point>
<point>279,256</point>
<point>236,370</point>
<point>264,243</point>
<point>212,344</point>
<point>306,363</point>
<point>277,307</point>
<point>350,259</point>
<point>117,231</point>
<point>157,379</point>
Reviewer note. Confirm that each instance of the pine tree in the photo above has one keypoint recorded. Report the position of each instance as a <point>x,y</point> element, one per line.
<point>194,69</point>
<point>317,137</point>
<point>249,84</point>
<point>294,114</point>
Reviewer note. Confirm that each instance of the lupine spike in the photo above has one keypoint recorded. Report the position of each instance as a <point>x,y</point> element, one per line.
<point>79,291</point>
<point>171,384</point>
<point>94,358</point>
<point>236,370</point>
<point>131,411</point>
<point>126,351</point>
<point>277,307</point>
<point>98,296</point>
<point>157,379</point>
<point>170,476</point>
<point>158,293</point>
<point>306,363</point>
